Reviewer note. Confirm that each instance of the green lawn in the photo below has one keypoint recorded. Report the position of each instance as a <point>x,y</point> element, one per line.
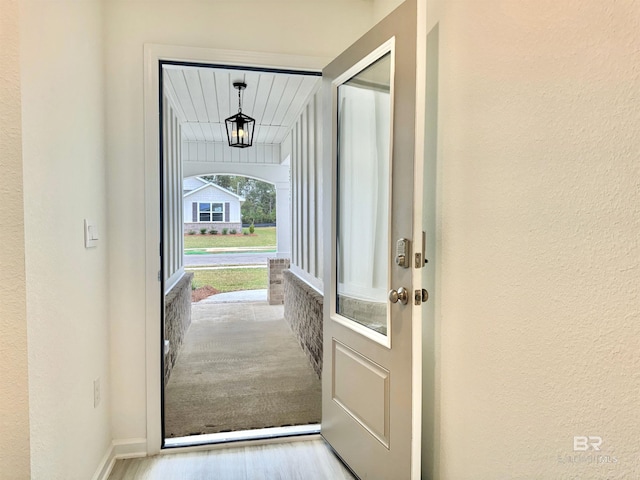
<point>231,279</point>
<point>263,237</point>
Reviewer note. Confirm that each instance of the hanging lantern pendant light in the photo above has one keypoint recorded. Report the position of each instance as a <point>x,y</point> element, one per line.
<point>240,126</point>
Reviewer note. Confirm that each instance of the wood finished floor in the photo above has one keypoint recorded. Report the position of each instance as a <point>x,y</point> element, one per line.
<point>298,460</point>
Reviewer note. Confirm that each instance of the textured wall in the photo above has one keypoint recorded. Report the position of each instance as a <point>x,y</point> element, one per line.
<point>177,318</point>
<point>14,394</point>
<point>64,183</point>
<point>303,312</point>
<point>382,8</point>
<point>539,261</point>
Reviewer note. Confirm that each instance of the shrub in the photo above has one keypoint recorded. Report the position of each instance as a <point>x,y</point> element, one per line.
<point>225,231</point>
<point>213,231</point>
<point>252,228</point>
<point>233,231</point>
<point>191,232</point>
<point>203,231</point>
<point>245,232</point>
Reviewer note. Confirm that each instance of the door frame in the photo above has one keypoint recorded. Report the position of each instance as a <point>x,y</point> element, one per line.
<point>153,54</point>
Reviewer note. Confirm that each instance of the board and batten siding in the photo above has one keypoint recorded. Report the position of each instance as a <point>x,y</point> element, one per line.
<point>303,147</point>
<point>172,231</point>
<point>212,195</point>
<point>198,151</point>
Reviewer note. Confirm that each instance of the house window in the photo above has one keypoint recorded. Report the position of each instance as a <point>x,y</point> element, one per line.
<point>210,212</point>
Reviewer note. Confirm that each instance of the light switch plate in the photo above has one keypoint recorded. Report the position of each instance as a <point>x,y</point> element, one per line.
<point>90,234</point>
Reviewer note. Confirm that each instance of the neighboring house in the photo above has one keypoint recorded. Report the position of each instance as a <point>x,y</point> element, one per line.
<point>207,205</point>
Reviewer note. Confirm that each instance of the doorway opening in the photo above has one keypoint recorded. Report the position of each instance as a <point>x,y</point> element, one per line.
<point>232,358</point>
<point>229,254</point>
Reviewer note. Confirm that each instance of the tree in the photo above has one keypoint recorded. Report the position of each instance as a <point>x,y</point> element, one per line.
<point>260,197</point>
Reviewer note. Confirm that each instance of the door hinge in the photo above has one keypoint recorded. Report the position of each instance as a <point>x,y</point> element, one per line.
<point>420,296</point>
<point>159,275</point>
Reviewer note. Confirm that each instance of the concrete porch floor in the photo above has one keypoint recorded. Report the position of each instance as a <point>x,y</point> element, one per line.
<point>240,368</point>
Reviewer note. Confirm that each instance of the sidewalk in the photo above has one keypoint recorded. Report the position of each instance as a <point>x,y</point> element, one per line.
<point>229,258</point>
<point>236,297</point>
<point>268,248</point>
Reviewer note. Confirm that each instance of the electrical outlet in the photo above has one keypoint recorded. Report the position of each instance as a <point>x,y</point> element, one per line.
<point>96,392</point>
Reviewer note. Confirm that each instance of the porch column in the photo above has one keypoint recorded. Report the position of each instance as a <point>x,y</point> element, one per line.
<point>283,216</point>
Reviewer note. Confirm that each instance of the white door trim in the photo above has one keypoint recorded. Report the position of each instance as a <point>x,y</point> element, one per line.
<point>153,54</point>
<point>417,461</point>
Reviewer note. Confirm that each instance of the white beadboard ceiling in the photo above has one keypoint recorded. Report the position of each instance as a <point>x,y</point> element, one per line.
<point>203,97</point>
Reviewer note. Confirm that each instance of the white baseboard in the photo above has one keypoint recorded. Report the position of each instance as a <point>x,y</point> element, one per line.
<point>129,448</point>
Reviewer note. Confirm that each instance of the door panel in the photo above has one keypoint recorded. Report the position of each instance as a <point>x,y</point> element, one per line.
<point>361,388</point>
<point>369,104</point>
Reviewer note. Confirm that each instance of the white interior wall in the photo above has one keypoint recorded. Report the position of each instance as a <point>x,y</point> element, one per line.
<point>539,313</point>
<point>14,391</point>
<point>317,28</point>
<point>66,284</point>
<point>382,8</point>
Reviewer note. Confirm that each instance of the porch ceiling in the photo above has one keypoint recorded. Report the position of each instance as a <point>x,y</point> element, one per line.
<point>204,97</point>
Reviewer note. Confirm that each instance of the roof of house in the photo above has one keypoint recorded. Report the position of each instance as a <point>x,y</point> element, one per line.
<point>184,182</point>
<point>210,184</point>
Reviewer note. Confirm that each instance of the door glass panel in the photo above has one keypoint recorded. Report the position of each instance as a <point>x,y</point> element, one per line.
<point>364,138</point>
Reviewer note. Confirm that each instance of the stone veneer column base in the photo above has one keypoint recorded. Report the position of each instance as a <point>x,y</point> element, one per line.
<point>303,313</point>
<point>177,318</point>
<point>275,291</point>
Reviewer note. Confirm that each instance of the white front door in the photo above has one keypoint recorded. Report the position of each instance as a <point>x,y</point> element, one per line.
<point>368,387</point>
